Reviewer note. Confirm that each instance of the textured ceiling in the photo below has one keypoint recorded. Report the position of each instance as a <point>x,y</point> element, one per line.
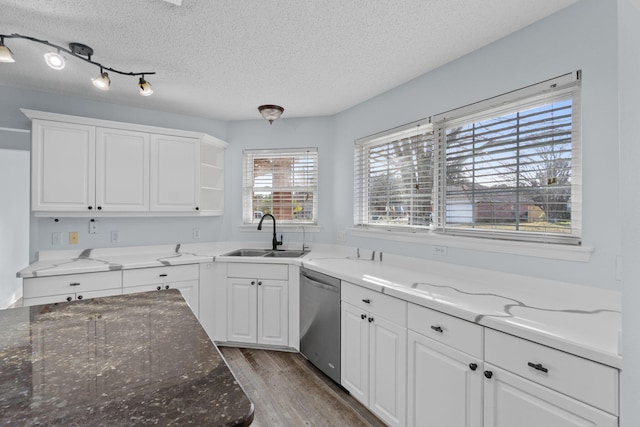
<point>220,59</point>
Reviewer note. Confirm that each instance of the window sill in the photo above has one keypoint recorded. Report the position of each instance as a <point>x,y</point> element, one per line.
<point>539,250</point>
<point>289,228</point>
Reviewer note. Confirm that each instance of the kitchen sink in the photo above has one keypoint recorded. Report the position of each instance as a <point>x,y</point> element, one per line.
<point>266,253</point>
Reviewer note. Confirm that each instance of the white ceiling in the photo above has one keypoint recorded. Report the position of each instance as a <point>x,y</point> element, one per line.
<point>220,59</point>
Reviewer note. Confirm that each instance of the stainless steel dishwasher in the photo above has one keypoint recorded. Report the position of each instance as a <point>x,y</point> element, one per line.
<point>320,321</point>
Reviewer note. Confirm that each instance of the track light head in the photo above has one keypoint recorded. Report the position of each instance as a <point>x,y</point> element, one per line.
<point>5,53</point>
<point>145,87</point>
<point>55,60</point>
<point>103,81</point>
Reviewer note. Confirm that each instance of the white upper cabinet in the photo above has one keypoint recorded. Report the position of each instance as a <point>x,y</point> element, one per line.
<point>90,167</point>
<point>62,165</point>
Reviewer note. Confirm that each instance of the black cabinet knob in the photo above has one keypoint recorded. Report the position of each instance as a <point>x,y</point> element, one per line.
<point>99,208</point>
<point>79,296</point>
<point>159,287</point>
<point>363,316</point>
<point>370,319</point>
<point>538,367</point>
<point>253,282</point>
<point>437,328</point>
<point>69,298</point>
<point>166,286</point>
<point>90,207</point>
<point>259,283</point>
<point>366,301</point>
<point>197,208</point>
<point>488,374</point>
<point>473,366</point>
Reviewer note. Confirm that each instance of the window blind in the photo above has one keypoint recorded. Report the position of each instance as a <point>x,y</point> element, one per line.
<point>283,183</point>
<point>394,179</point>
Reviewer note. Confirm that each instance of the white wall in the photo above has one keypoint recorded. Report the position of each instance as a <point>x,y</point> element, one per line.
<point>14,222</point>
<point>629,143</point>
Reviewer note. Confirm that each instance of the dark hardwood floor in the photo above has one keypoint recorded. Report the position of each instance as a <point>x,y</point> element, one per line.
<point>287,390</point>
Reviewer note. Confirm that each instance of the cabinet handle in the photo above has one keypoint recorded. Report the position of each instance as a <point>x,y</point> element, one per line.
<point>370,319</point>
<point>74,284</point>
<point>99,208</point>
<point>437,328</point>
<point>89,207</point>
<point>253,282</point>
<point>69,298</point>
<point>197,208</point>
<point>363,316</point>
<point>366,301</point>
<point>473,366</point>
<point>79,296</point>
<point>163,275</point>
<point>166,286</point>
<point>538,367</point>
<point>159,287</point>
<point>488,374</point>
<point>259,283</point>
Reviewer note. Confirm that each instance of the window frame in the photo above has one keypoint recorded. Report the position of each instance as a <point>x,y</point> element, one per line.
<point>305,154</point>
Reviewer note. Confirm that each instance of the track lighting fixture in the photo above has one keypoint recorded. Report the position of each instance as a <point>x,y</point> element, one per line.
<point>271,112</point>
<point>5,53</point>
<point>81,51</point>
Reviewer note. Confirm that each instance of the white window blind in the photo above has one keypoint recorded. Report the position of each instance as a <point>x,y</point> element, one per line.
<point>508,167</point>
<point>283,183</point>
<point>394,178</point>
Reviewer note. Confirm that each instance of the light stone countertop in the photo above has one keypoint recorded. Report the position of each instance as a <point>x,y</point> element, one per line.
<point>581,320</point>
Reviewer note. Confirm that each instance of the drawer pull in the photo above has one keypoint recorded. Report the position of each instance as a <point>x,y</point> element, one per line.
<point>166,286</point>
<point>79,296</point>
<point>437,328</point>
<point>163,275</point>
<point>74,284</point>
<point>159,287</point>
<point>363,316</point>
<point>366,301</point>
<point>538,367</point>
<point>69,298</point>
<point>370,319</point>
<point>488,374</point>
<point>473,366</point>
<point>259,283</point>
<point>253,282</point>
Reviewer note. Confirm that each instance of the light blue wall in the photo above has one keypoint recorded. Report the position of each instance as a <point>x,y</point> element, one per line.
<point>562,43</point>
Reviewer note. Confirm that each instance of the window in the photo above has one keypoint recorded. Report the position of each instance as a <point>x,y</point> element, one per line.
<point>504,168</point>
<point>283,183</point>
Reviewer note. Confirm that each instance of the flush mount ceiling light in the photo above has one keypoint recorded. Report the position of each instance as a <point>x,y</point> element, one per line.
<point>81,51</point>
<point>271,112</point>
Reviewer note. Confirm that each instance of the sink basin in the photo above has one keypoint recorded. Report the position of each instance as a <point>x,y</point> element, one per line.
<point>286,254</point>
<point>266,253</point>
<point>248,252</point>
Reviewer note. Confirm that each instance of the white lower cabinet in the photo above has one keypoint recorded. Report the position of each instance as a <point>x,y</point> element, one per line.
<point>374,351</point>
<point>182,277</point>
<point>71,287</point>
<point>257,304</point>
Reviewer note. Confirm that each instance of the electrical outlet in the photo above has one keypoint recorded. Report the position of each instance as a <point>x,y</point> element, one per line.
<point>196,233</point>
<point>56,238</point>
<point>73,238</point>
<point>440,250</point>
<point>115,237</point>
<point>93,226</point>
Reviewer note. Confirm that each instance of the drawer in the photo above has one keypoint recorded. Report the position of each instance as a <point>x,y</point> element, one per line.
<point>35,287</point>
<point>582,379</point>
<point>258,271</point>
<point>390,308</point>
<point>149,276</point>
<point>457,333</point>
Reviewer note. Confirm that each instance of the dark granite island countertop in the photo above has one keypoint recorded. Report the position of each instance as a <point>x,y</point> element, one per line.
<point>139,359</point>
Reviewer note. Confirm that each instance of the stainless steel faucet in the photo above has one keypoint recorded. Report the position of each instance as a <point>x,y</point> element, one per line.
<point>274,242</point>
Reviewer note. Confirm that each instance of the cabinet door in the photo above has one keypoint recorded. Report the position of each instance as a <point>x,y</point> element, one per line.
<point>190,292</point>
<point>510,400</point>
<point>443,389</point>
<point>175,174</point>
<point>122,170</point>
<point>62,167</point>
<point>242,320</point>
<point>273,315</point>
<point>354,342</point>
<point>388,370</point>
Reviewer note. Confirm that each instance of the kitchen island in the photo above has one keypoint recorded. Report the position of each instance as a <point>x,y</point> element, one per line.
<point>138,359</point>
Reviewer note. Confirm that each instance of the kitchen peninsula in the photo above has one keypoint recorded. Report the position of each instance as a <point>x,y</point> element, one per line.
<point>138,359</point>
